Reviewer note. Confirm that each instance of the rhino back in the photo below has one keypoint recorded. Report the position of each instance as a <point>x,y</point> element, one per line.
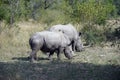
<point>68,29</point>
<point>54,40</point>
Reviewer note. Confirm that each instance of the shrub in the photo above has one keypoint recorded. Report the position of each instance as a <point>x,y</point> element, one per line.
<point>89,11</point>
<point>93,35</point>
<point>52,17</point>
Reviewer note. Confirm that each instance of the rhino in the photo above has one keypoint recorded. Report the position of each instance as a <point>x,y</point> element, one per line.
<point>50,42</point>
<point>72,34</point>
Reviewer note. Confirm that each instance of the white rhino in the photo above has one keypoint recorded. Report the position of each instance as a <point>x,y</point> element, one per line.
<point>51,42</point>
<point>72,34</point>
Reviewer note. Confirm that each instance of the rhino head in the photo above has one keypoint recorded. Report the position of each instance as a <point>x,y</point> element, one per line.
<point>79,44</point>
<point>68,52</point>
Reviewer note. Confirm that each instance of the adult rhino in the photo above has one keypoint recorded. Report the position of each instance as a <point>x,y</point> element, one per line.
<point>72,34</point>
<point>51,42</point>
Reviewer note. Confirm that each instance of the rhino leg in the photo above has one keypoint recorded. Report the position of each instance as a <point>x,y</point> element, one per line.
<point>58,56</point>
<point>50,54</point>
<point>73,45</point>
<point>33,55</point>
<point>58,53</point>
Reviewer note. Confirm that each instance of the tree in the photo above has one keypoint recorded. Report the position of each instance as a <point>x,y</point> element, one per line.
<point>89,11</point>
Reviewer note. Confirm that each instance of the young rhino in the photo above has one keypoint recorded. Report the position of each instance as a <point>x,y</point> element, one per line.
<point>51,42</point>
<point>72,34</point>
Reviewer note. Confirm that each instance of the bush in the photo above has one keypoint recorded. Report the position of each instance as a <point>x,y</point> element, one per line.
<point>93,35</point>
<point>4,13</point>
<point>117,5</point>
<point>52,17</point>
<point>89,11</point>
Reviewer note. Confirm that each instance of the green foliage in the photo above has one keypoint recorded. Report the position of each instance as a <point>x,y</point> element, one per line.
<point>4,12</point>
<point>12,10</point>
<point>117,5</point>
<point>93,35</point>
<point>89,11</point>
<point>52,17</point>
<point>16,10</point>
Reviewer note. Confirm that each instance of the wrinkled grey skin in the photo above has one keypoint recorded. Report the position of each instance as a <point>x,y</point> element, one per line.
<point>51,42</point>
<point>72,34</point>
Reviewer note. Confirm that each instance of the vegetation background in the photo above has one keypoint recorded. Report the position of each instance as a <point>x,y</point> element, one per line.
<point>98,20</point>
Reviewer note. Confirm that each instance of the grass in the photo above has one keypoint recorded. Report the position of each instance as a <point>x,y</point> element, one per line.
<point>95,63</point>
<point>87,65</point>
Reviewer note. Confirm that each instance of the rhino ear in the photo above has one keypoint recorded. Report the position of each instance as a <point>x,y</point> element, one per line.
<point>79,33</point>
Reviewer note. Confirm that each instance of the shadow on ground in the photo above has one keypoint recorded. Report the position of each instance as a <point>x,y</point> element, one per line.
<point>27,58</point>
<point>57,70</point>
